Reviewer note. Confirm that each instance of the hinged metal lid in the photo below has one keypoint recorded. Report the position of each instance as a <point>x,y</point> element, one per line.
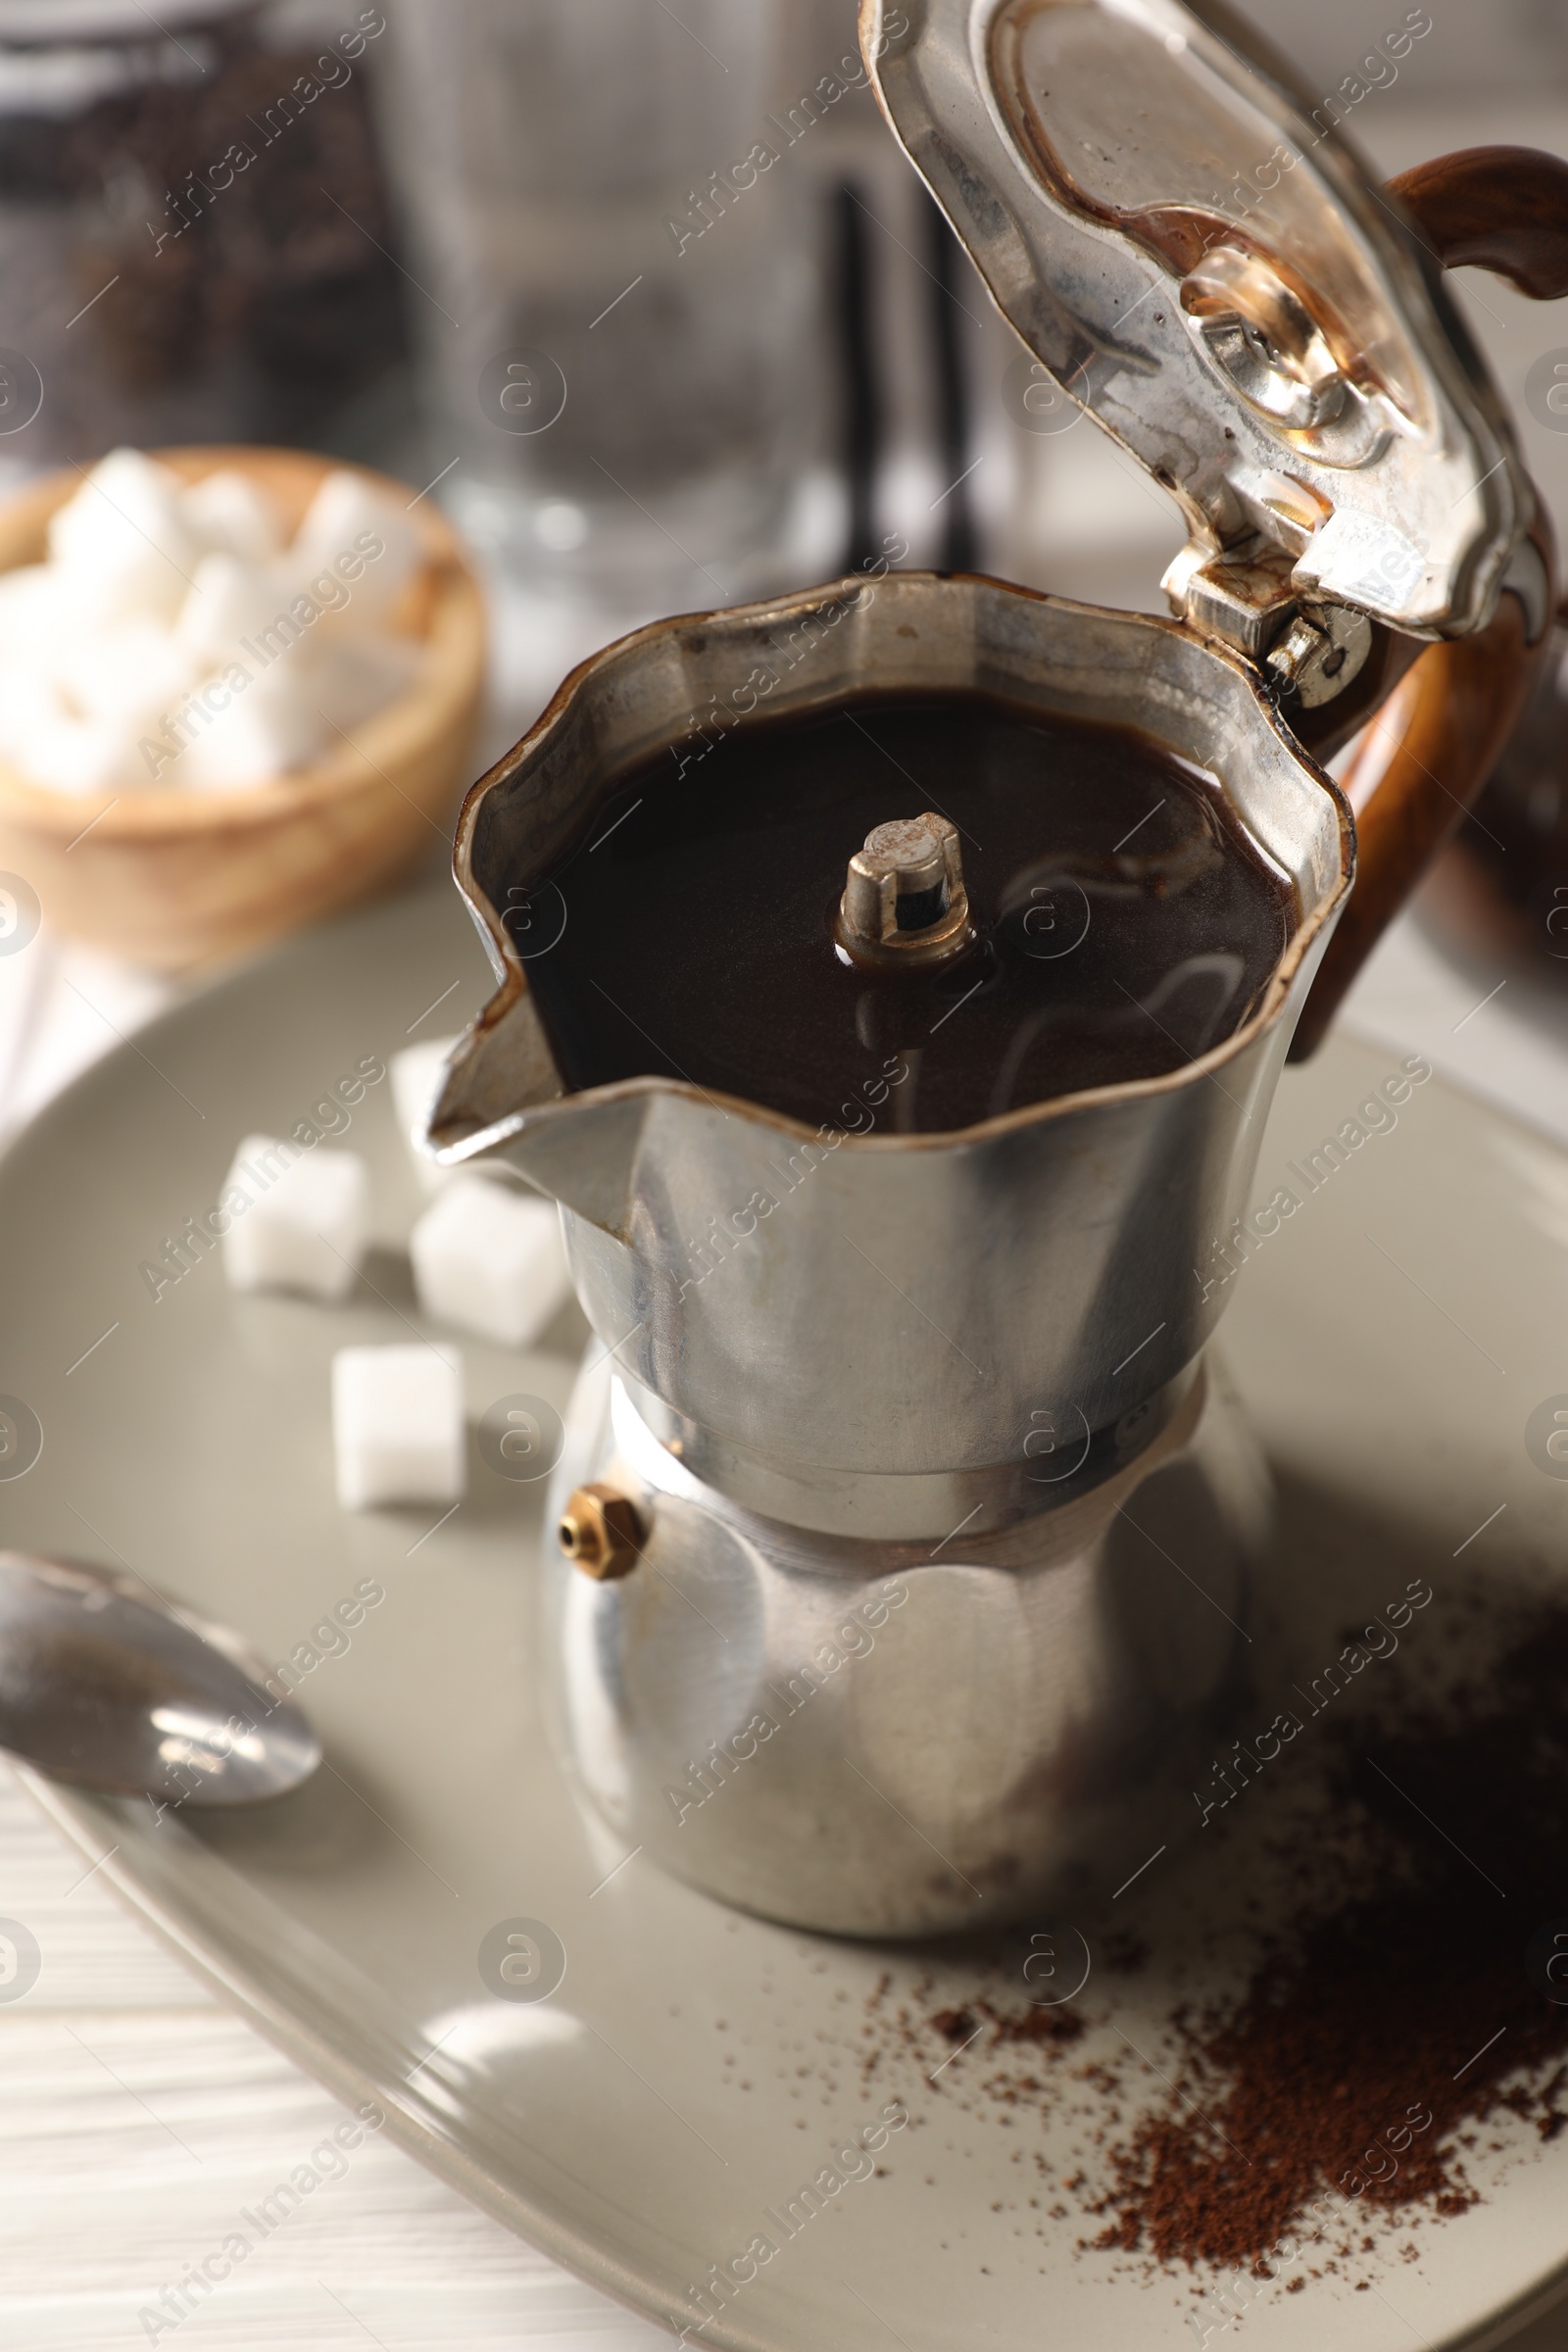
<point>1198,257</point>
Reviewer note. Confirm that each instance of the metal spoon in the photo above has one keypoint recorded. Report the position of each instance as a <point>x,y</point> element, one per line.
<point>112,1689</point>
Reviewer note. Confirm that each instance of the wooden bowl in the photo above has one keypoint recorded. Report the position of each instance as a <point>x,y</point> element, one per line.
<point>174,879</point>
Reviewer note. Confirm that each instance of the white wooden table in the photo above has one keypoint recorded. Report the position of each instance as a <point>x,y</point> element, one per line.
<point>139,2117</point>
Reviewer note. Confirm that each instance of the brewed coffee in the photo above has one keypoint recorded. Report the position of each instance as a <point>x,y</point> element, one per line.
<point>1122,920</point>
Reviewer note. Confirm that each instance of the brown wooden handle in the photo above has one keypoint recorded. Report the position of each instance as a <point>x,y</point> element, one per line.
<point>1504,209</point>
<point>1423,756</point>
<point>1417,768</point>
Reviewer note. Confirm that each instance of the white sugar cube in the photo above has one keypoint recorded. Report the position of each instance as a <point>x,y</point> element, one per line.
<point>266,729</point>
<point>417,1076</point>
<point>41,736</point>
<point>396,1425</point>
<point>352,532</point>
<point>125,499</point>
<point>229,511</point>
<point>134,673</point>
<point>229,600</point>
<point>490,1260</point>
<point>124,535</point>
<point>303,1225</point>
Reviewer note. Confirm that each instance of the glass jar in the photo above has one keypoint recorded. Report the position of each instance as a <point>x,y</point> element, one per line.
<point>192,226</point>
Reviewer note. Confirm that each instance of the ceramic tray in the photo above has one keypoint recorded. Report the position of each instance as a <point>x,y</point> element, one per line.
<point>693,2069</point>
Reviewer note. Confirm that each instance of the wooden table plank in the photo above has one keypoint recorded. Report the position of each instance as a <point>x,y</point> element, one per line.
<point>142,2126</point>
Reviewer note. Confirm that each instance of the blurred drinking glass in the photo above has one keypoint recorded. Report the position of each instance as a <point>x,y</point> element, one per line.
<point>618,292</point>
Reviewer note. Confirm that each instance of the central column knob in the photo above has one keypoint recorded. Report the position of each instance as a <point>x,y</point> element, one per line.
<point>903,898</point>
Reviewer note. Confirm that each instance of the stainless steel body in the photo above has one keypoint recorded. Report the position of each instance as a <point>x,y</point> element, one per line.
<point>911,1308</point>
<point>881,1739</point>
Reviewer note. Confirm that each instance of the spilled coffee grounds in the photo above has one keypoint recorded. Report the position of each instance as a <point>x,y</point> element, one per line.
<point>1397,2026</point>
<point>1377,2037</point>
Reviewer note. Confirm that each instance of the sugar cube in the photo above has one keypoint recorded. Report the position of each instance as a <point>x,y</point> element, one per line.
<point>229,511</point>
<point>133,671</point>
<point>266,731</point>
<point>40,734</point>
<point>303,1225</point>
<point>416,1075</point>
<point>489,1260</point>
<point>396,1425</point>
<point>124,535</point>
<point>229,600</point>
<point>351,531</point>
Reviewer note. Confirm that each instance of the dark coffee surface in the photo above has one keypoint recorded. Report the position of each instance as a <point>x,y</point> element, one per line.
<point>1125,921</point>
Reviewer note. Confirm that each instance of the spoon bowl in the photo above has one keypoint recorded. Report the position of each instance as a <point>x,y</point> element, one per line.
<point>105,1686</point>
